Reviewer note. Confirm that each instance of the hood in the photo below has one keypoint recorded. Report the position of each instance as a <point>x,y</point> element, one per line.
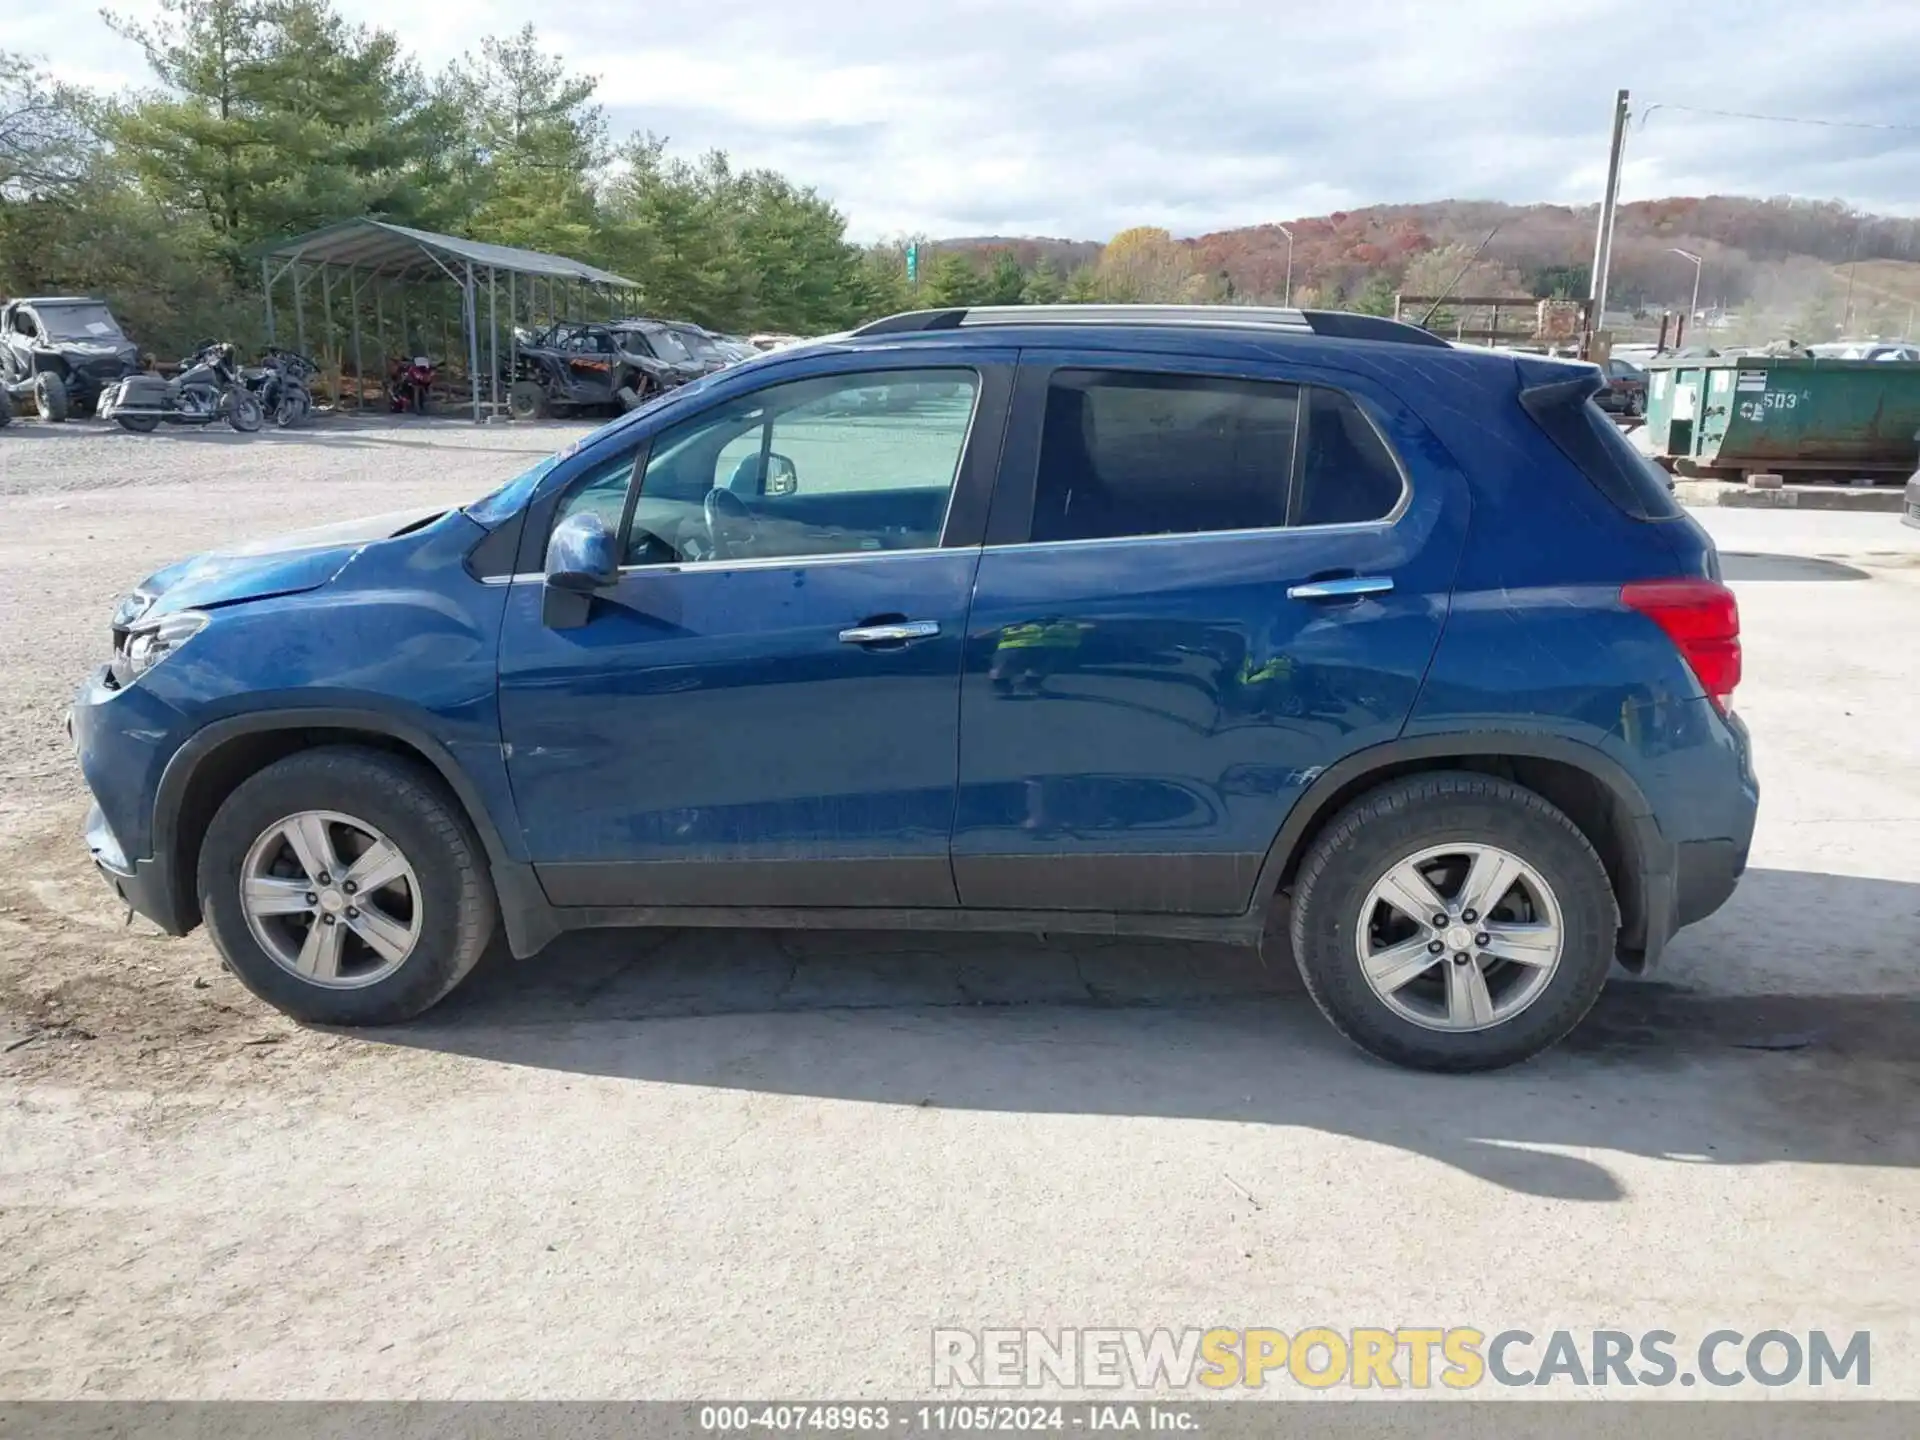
<point>89,348</point>
<point>279,565</point>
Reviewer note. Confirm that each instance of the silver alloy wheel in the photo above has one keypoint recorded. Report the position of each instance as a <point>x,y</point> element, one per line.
<point>1459,937</point>
<point>331,899</point>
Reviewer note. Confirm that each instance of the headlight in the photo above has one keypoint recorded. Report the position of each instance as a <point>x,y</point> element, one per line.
<point>132,606</point>
<point>147,645</point>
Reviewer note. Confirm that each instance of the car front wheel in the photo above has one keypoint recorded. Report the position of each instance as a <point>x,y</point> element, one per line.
<point>1453,922</point>
<point>345,887</point>
<point>50,398</point>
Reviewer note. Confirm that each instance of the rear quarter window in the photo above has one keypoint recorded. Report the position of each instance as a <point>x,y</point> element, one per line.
<point>1583,433</point>
<point>1347,475</point>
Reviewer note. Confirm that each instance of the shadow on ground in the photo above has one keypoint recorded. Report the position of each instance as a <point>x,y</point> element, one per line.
<point>1747,565</point>
<point>1150,1028</point>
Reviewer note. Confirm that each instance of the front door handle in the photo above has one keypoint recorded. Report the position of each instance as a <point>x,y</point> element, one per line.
<point>1344,587</point>
<point>894,633</point>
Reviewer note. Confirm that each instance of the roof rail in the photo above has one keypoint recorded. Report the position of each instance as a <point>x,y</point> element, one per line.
<point>1337,324</point>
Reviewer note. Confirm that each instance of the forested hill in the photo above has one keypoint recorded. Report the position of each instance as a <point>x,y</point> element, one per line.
<point>1777,255</point>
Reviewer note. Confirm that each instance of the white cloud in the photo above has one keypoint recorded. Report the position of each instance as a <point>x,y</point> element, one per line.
<point>1079,118</point>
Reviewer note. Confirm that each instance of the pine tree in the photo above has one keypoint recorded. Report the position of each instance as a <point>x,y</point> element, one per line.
<point>1044,286</point>
<point>953,281</point>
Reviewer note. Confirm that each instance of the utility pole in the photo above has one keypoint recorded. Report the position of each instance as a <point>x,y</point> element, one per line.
<point>1603,238</point>
<point>1288,302</point>
<point>1693,310</point>
<point>1853,264</point>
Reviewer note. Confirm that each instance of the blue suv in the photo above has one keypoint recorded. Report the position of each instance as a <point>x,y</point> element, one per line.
<point>1123,620</point>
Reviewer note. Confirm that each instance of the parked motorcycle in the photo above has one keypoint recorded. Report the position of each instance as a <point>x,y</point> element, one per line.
<point>410,385</point>
<point>282,383</point>
<point>208,388</point>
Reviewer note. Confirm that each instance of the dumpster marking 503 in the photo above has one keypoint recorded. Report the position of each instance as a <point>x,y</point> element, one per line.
<point>1773,400</point>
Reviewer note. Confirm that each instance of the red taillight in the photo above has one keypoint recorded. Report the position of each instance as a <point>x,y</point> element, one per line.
<point>1702,620</point>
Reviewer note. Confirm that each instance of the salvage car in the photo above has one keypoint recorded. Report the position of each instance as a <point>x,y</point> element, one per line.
<point>60,351</point>
<point>1130,620</point>
<point>576,367</point>
<point>709,349</point>
<point>1625,391</point>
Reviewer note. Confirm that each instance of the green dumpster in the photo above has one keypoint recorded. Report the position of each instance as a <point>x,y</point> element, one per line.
<point>1806,419</point>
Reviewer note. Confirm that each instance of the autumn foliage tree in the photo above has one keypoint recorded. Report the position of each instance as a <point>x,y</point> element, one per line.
<point>1143,264</point>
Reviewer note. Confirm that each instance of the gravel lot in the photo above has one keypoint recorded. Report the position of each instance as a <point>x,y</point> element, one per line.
<point>722,1164</point>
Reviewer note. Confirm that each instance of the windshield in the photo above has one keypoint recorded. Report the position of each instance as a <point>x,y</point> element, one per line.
<point>666,344</point>
<point>504,503</point>
<point>702,345</point>
<point>78,322</point>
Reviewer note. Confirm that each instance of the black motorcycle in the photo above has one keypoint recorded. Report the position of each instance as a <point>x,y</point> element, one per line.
<point>282,383</point>
<point>208,388</point>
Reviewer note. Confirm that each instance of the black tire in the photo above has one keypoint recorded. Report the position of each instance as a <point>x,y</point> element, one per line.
<point>527,400</point>
<point>138,424</point>
<point>410,807</point>
<point>1401,818</point>
<point>6,407</point>
<point>244,411</point>
<point>291,408</point>
<point>50,398</point>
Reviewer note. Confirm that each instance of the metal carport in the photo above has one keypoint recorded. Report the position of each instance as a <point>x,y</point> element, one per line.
<point>378,254</point>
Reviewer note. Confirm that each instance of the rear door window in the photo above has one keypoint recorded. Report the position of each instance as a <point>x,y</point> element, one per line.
<point>1132,453</point>
<point>1127,453</point>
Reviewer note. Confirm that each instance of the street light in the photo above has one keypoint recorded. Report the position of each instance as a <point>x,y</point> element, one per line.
<point>1289,234</point>
<point>1694,309</point>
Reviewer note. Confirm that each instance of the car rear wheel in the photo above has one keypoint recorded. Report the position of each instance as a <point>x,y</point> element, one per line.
<point>345,887</point>
<point>1453,922</point>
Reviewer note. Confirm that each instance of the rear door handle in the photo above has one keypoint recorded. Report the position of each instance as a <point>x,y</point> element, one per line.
<point>894,633</point>
<point>1345,587</point>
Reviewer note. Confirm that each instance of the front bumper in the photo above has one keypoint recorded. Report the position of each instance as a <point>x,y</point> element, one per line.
<point>123,739</point>
<point>86,385</point>
<point>143,886</point>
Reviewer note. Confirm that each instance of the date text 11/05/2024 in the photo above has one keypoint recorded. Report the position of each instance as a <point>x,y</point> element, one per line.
<point>972,1418</point>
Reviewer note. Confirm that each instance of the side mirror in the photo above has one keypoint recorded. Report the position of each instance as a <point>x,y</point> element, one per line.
<point>783,478</point>
<point>582,558</point>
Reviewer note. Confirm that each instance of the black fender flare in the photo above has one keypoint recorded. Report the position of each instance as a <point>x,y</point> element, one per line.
<point>1652,859</point>
<point>512,878</point>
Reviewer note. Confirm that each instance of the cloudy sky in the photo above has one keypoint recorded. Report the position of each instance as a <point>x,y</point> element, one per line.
<point>1080,117</point>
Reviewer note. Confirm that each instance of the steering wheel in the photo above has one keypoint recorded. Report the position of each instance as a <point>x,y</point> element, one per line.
<point>729,522</point>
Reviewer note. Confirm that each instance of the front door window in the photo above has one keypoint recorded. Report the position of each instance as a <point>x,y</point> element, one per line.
<point>861,463</point>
